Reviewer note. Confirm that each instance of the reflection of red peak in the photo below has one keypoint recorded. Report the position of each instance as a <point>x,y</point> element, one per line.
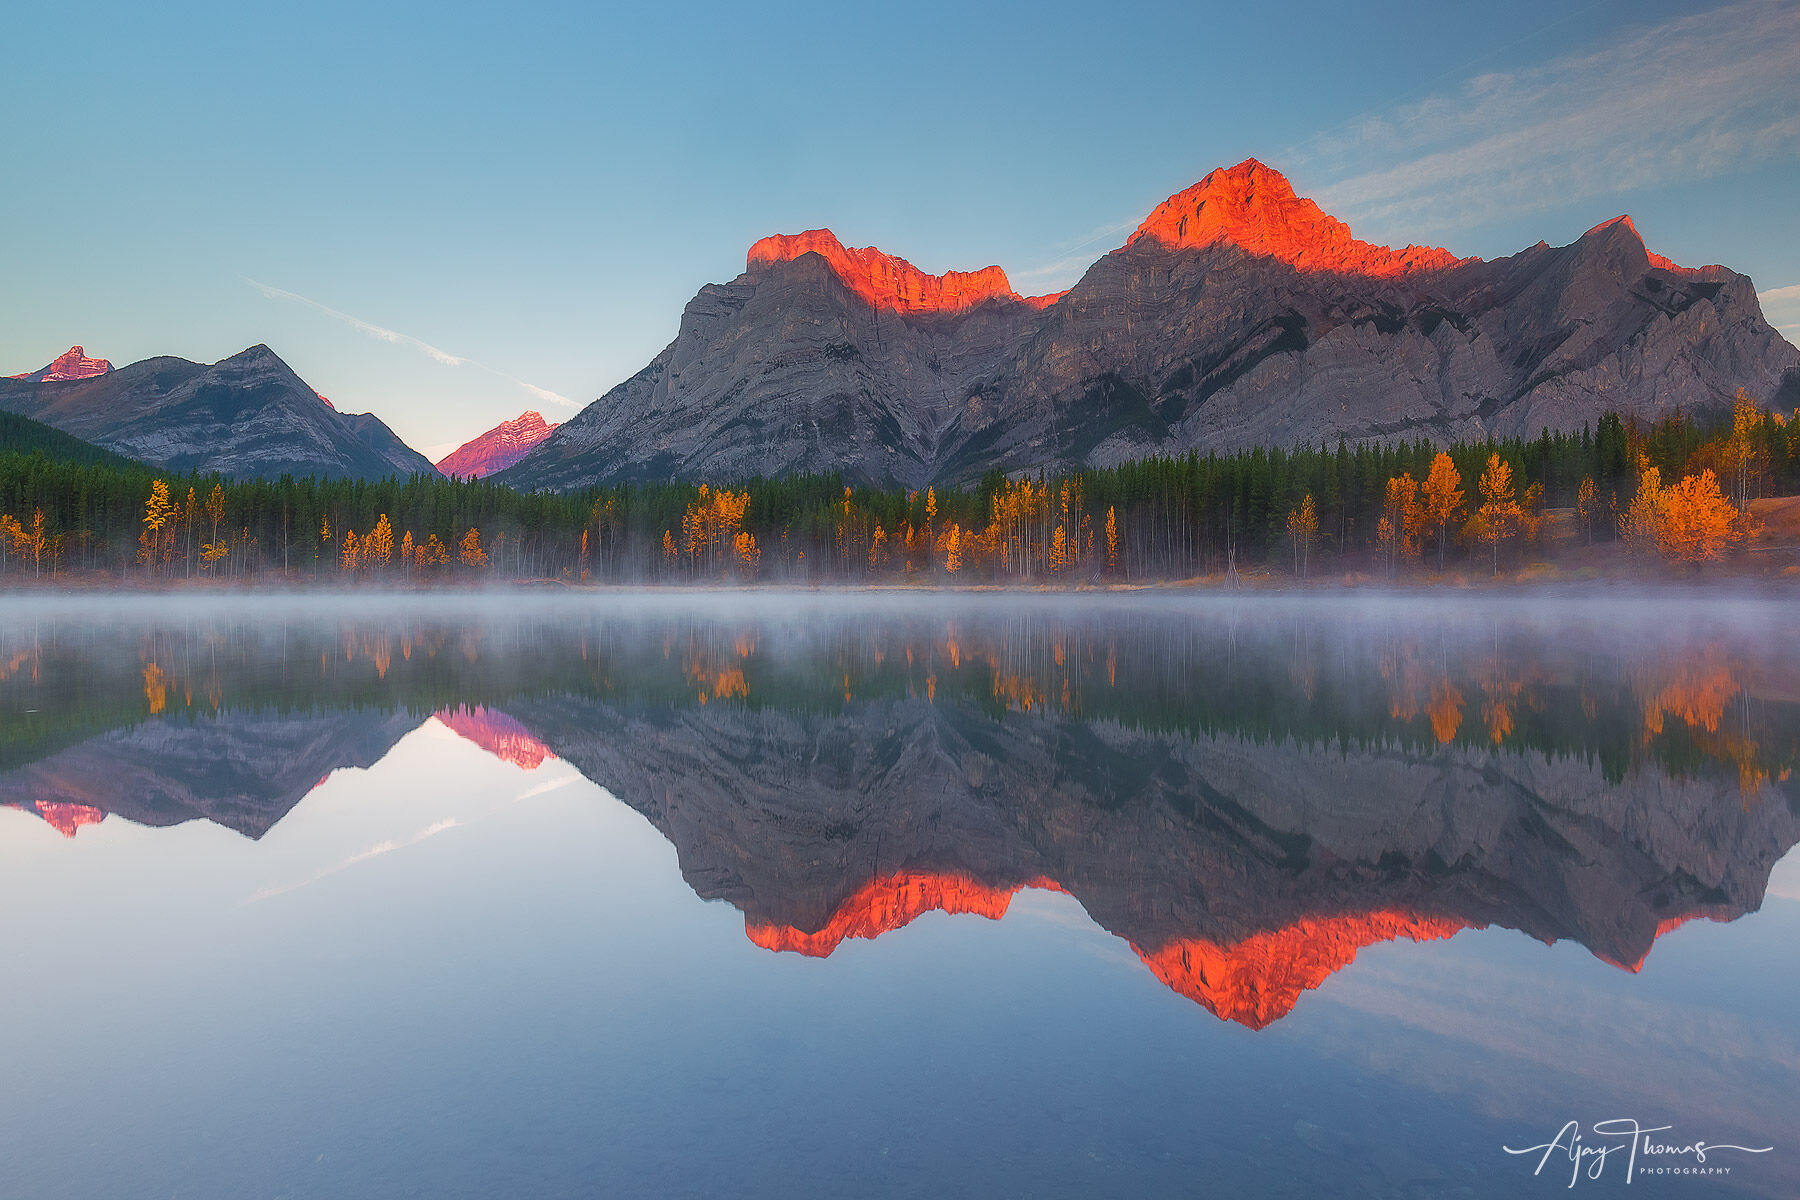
<point>886,904</point>
<point>1254,208</point>
<point>498,734</point>
<point>1664,926</point>
<point>72,365</point>
<point>1260,979</point>
<point>498,448</point>
<point>889,282</point>
<point>65,818</point>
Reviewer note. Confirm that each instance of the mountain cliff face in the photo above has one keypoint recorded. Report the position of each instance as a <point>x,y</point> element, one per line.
<point>72,364</point>
<point>1237,314</point>
<point>248,416</point>
<point>497,449</point>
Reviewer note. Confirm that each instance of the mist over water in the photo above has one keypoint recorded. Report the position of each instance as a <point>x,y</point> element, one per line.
<point>767,893</point>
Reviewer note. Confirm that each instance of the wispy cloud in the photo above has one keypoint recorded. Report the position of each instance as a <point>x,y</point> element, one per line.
<point>1074,256</point>
<point>1782,307</point>
<point>405,339</point>
<point>376,851</point>
<point>1685,100</point>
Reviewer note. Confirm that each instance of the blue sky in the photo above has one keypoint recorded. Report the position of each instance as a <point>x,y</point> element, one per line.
<point>447,214</point>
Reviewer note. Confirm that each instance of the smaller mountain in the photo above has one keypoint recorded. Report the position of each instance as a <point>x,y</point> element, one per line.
<point>248,416</point>
<point>75,364</point>
<point>22,435</point>
<point>498,448</point>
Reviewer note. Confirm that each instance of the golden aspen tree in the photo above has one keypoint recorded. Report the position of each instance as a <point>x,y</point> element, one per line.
<point>1587,508</point>
<point>1402,508</point>
<point>156,516</point>
<point>378,547</point>
<point>215,509</point>
<point>1386,538</point>
<point>1640,525</point>
<point>470,551</point>
<point>1303,527</point>
<point>1698,522</point>
<point>1441,499</point>
<point>352,553</point>
<point>1112,541</point>
<point>1498,517</point>
<point>745,551</point>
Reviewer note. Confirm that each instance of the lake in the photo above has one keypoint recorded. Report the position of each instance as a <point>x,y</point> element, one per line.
<point>776,895</point>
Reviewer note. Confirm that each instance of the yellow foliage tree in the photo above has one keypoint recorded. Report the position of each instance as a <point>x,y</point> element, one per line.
<point>157,511</point>
<point>1499,516</point>
<point>470,551</point>
<point>1303,527</point>
<point>378,547</point>
<point>1441,499</point>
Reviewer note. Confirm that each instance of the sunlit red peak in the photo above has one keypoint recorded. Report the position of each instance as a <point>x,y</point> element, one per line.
<point>889,282</point>
<point>1254,208</point>
<point>888,903</point>
<point>498,448</point>
<point>72,365</point>
<point>1260,979</point>
<point>498,734</point>
<point>327,403</point>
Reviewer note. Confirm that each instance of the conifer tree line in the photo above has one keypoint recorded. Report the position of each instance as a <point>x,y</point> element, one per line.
<point>1680,488</point>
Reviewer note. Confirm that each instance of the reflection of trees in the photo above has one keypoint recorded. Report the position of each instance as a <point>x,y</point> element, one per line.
<point>1690,707</point>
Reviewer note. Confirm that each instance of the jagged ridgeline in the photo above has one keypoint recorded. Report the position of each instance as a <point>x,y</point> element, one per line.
<point>1238,314</point>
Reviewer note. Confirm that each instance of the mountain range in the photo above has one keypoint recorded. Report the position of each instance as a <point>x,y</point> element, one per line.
<point>1237,314</point>
<point>248,416</point>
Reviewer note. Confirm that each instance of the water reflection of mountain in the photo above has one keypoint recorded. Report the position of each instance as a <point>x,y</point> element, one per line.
<point>1242,872</point>
<point>244,771</point>
<point>1247,803</point>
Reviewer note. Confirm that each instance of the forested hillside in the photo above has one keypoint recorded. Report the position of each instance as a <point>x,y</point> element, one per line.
<point>1679,489</point>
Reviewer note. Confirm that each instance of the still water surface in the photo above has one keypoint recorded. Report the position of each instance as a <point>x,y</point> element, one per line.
<point>785,896</point>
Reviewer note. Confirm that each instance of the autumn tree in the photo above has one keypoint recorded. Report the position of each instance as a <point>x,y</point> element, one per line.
<point>1405,517</point>
<point>157,511</point>
<point>748,557</point>
<point>1499,515</point>
<point>378,547</point>
<point>1303,527</point>
<point>1697,522</point>
<point>1112,540</point>
<point>1587,508</point>
<point>469,551</point>
<point>1441,499</point>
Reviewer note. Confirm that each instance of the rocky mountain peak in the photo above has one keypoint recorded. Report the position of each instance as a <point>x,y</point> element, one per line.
<point>498,448</point>
<point>1254,207</point>
<point>73,364</point>
<point>1624,231</point>
<point>888,281</point>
